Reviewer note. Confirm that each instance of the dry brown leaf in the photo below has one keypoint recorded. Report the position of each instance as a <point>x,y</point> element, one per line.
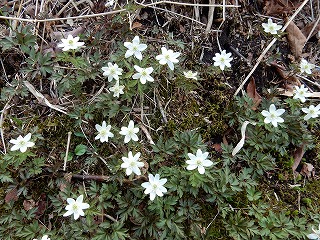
<point>217,147</point>
<point>279,7</point>
<point>28,204</point>
<point>307,29</point>
<point>11,195</point>
<point>308,170</point>
<point>252,93</point>
<point>136,25</point>
<point>297,156</point>
<point>296,39</point>
<point>285,74</point>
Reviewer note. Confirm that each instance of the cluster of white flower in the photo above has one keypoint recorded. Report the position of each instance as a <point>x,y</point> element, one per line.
<point>273,115</point>
<point>130,132</point>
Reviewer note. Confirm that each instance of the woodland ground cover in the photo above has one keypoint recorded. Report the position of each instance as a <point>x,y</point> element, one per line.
<point>159,120</point>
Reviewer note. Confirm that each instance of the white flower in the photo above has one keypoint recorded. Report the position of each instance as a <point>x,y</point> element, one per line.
<point>222,60</point>
<point>135,48</point>
<point>306,67</point>
<point>143,74</point>
<point>168,57</point>
<point>271,27</point>
<point>198,161</point>
<point>315,234</point>
<point>273,116</point>
<point>155,186</point>
<point>112,71</point>
<point>129,132</point>
<point>312,112</point>
<point>70,43</point>
<point>45,237</point>
<point>109,3</point>
<point>132,164</point>
<point>76,207</point>
<point>190,74</point>
<point>301,93</point>
<point>104,132</point>
<point>117,89</point>
<point>21,143</point>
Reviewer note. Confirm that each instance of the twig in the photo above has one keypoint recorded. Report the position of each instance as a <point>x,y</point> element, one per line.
<point>67,151</point>
<point>163,113</point>
<point>210,16</point>
<point>268,47</point>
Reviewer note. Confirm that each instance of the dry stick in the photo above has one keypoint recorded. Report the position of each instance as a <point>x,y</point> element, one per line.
<point>268,47</point>
<point>210,16</point>
<point>67,151</point>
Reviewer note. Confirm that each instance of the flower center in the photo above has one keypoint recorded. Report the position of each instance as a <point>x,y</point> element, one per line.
<point>130,131</point>
<point>222,60</point>
<point>22,143</point>
<point>312,111</point>
<point>132,164</point>
<point>144,73</point>
<point>70,42</point>
<point>167,57</point>
<point>103,132</point>
<point>113,71</point>
<point>135,48</point>
<point>271,28</point>
<point>154,186</point>
<point>199,162</point>
<point>272,115</point>
<point>75,207</point>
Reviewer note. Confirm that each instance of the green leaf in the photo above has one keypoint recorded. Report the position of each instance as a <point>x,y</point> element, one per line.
<point>80,149</point>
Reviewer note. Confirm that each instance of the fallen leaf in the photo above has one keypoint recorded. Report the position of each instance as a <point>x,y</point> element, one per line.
<point>28,204</point>
<point>217,147</point>
<point>279,7</point>
<point>252,93</point>
<point>12,195</point>
<point>297,156</point>
<point>136,25</point>
<point>308,170</point>
<point>285,74</point>
<point>307,29</point>
<point>296,39</point>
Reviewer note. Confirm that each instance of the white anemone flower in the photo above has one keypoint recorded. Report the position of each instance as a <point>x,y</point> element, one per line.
<point>301,93</point>
<point>135,48</point>
<point>222,60</point>
<point>143,74</point>
<point>76,207</point>
<point>129,132</point>
<point>273,115</point>
<point>44,237</point>
<point>70,43</point>
<point>271,27</point>
<point>117,89</point>
<point>21,143</point>
<point>312,112</point>
<point>109,3</point>
<point>132,164</point>
<point>103,132</point>
<point>112,71</point>
<point>315,235</point>
<point>198,161</point>
<point>191,75</point>
<point>168,57</point>
<point>306,67</point>
<point>155,186</point>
